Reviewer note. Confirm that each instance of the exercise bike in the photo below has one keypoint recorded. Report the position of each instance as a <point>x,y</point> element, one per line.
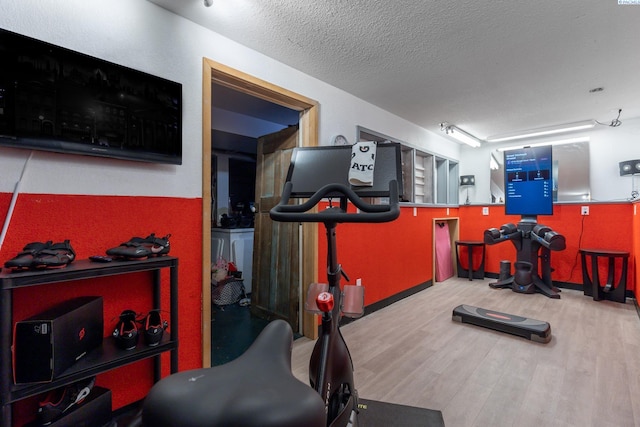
<point>258,388</point>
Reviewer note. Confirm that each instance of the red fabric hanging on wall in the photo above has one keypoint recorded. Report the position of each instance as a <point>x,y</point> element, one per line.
<point>444,262</point>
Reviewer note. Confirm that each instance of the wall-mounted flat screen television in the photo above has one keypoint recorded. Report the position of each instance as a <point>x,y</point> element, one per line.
<point>55,99</point>
<point>528,181</point>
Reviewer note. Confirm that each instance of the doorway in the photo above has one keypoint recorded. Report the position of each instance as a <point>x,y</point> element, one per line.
<point>219,74</point>
<point>238,122</point>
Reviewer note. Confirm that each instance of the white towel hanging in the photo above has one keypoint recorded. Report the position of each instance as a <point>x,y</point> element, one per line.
<point>363,160</point>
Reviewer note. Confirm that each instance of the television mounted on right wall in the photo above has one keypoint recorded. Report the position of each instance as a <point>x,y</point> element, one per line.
<point>528,181</point>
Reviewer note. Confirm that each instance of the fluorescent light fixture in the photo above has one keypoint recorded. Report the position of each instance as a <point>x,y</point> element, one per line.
<point>540,144</point>
<point>551,130</point>
<point>460,135</point>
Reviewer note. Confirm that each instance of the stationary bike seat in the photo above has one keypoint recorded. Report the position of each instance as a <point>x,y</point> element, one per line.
<point>256,389</point>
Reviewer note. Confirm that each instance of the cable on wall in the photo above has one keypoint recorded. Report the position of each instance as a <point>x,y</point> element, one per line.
<point>14,198</point>
<point>614,123</point>
<point>575,261</point>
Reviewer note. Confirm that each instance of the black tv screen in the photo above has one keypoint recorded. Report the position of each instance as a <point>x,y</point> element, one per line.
<point>55,99</point>
<point>314,167</point>
<point>528,181</point>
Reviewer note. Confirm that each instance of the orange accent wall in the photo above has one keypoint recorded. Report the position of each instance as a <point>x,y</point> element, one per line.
<point>94,224</point>
<point>396,256</point>
<point>635,232</point>
<point>609,226</point>
<point>389,257</point>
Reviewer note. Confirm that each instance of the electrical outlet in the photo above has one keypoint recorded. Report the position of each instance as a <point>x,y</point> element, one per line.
<point>485,210</point>
<point>584,210</point>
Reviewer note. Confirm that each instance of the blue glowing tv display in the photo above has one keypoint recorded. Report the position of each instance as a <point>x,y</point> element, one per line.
<point>528,181</point>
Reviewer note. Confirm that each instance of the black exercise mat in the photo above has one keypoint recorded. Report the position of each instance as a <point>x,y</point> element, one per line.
<point>382,414</point>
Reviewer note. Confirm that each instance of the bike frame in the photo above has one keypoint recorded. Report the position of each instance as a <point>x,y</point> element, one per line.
<point>331,366</point>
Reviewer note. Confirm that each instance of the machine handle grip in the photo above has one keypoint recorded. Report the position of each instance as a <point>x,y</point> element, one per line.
<point>493,236</point>
<point>368,213</point>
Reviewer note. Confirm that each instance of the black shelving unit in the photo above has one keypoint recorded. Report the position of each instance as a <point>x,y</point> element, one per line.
<point>102,359</point>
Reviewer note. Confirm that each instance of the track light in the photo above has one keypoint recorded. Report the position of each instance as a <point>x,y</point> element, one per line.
<point>468,180</point>
<point>629,167</point>
<point>208,3</point>
<point>551,130</point>
<point>459,135</point>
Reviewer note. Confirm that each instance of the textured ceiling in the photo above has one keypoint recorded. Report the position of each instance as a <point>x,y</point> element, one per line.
<point>488,66</point>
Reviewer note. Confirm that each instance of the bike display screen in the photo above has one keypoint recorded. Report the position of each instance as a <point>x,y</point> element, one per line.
<point>314,167</point>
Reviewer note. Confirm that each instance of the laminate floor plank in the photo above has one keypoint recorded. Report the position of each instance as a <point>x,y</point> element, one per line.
<point>412,353</point>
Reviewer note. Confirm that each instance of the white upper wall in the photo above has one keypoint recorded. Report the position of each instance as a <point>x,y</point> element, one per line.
<point>607,147</point>
<point>140,35</point>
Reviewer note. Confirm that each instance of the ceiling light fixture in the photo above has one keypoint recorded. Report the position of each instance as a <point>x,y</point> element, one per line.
<point>459,135</point>
<point>551,130</point>
<point>555,142</point>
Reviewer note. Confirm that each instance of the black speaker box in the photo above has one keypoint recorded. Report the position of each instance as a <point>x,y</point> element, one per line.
<point>47,344</point>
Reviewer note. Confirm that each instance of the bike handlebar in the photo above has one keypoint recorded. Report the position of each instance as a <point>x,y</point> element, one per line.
<point>285,212</point>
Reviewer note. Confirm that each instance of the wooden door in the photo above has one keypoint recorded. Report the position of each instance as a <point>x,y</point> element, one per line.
<point>276,277</point>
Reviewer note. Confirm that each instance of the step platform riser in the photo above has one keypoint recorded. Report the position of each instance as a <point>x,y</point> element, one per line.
<point>531,329</point>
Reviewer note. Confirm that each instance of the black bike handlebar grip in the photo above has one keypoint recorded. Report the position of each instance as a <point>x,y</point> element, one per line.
<point>368,212</point>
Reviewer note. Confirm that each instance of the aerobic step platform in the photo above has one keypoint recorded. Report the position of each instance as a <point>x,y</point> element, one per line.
<point>531,329</point>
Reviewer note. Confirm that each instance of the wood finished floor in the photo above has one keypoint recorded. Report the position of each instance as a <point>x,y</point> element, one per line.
<point>412,353</point>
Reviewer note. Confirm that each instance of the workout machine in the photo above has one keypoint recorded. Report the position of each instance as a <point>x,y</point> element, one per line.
<point>532,241</point>
<point>529,238</point>
<point>258,388</point>
<point>529,193</point>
